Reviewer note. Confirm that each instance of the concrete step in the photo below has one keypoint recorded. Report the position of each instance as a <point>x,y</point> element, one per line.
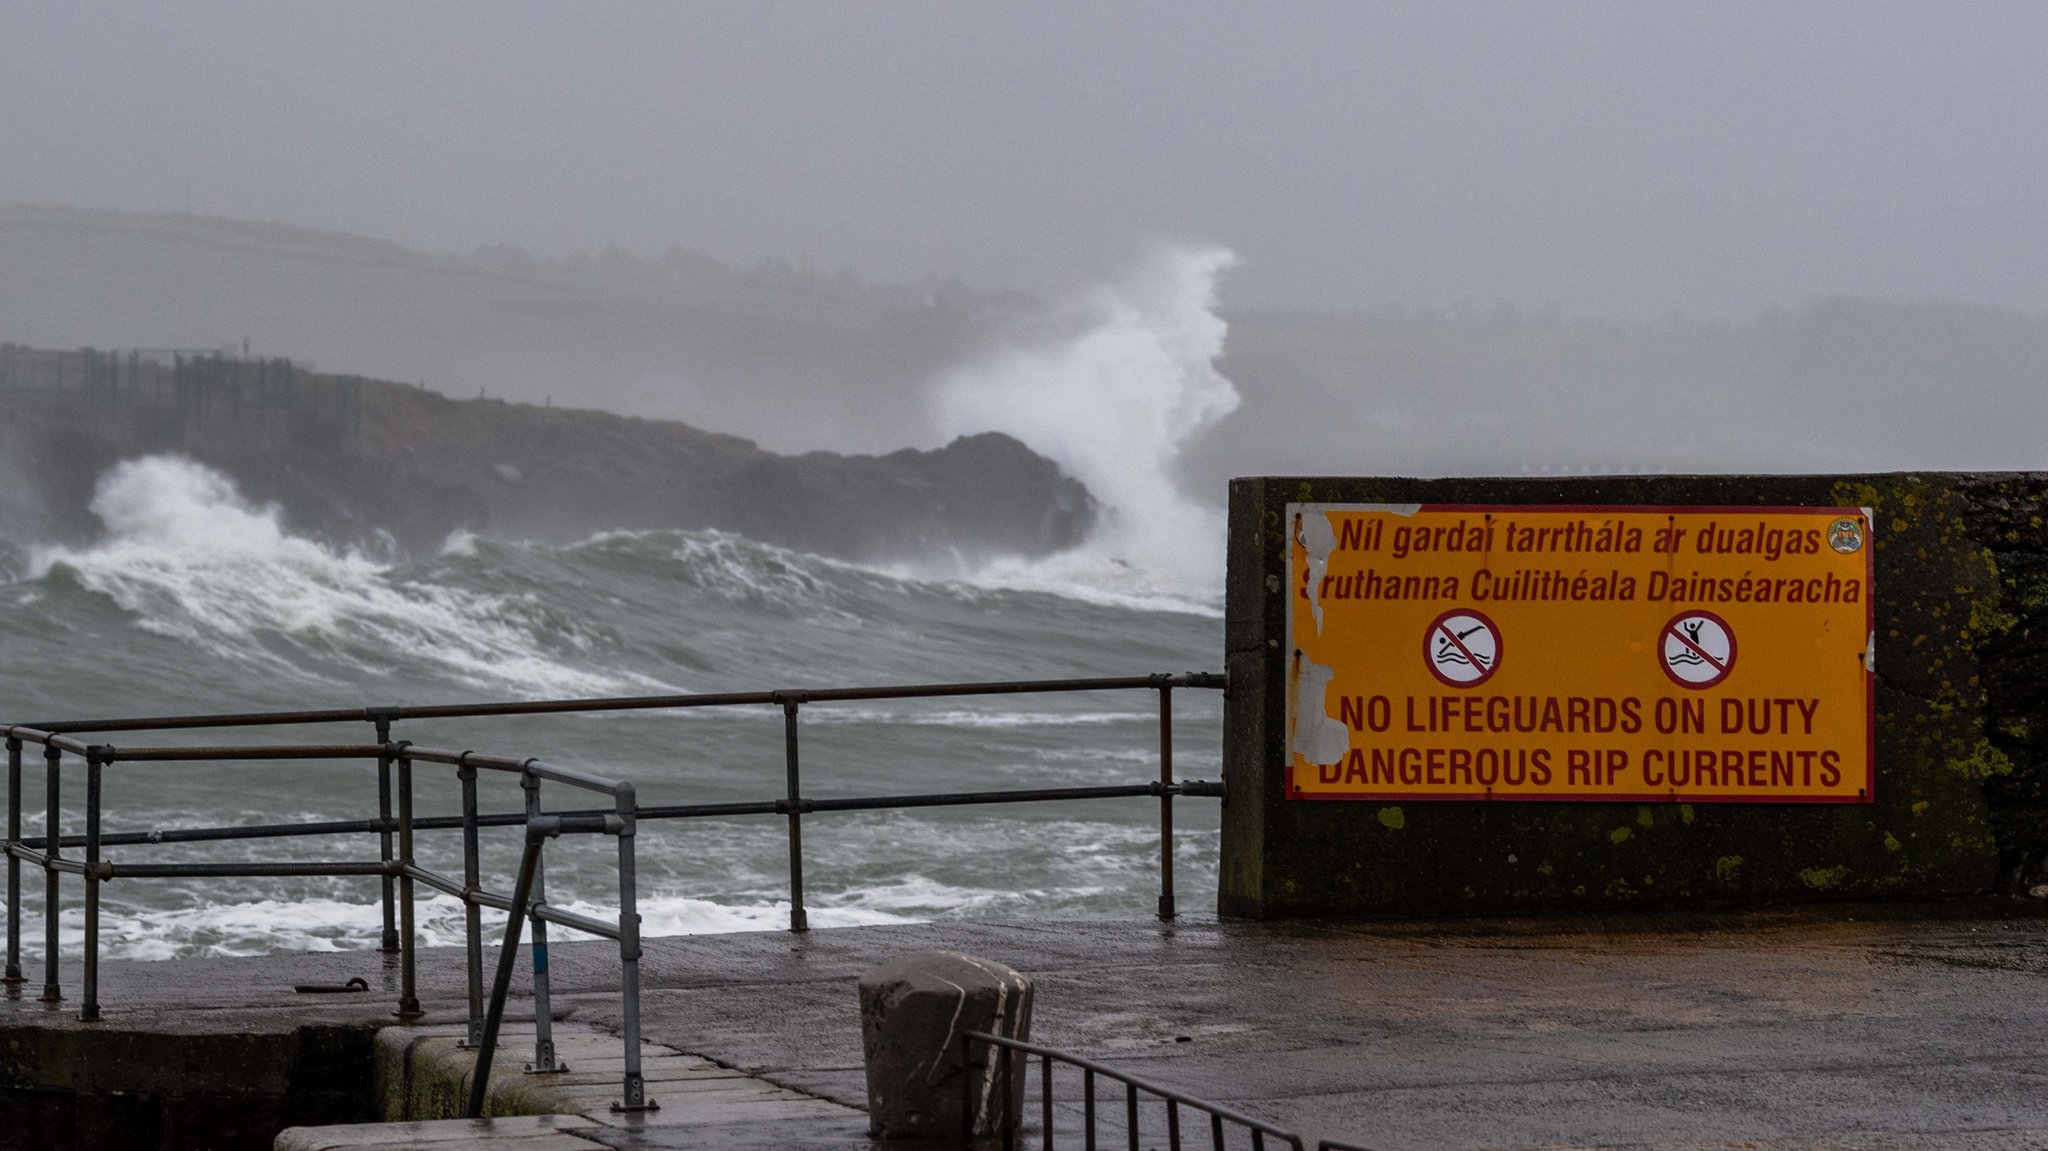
<point>423,1079</point>
<point>511,1133</point>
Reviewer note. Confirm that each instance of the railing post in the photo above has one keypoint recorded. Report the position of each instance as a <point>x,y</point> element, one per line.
<point>799,919</point>
<point>1166,904</point>
<point>472,913</point>
<point>508,958</point>
<point>544,1061</point>
<point>1088,1105</point>
<point>633,1088</point>
<point>89,1008</point>
<point>389,944</point>
<point>408,966</point>
<point>13,975</point>
<point>52,764</point>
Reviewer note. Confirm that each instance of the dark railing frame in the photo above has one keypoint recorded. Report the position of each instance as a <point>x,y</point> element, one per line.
<point>397,868</point>
<point>1008,1121</point>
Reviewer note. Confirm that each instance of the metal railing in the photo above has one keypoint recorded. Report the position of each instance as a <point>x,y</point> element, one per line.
<point>404,868</point>
<point>1218,1120</point>
<point>397,866</point>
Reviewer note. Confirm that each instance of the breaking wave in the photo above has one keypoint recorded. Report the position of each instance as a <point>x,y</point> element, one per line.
<point>193,561</point>
<point>1115,405</point>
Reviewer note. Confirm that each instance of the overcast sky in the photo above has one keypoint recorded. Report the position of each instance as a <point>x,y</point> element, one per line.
<point>1611,159</point>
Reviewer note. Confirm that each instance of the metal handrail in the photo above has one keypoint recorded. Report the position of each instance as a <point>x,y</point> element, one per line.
<point>1175,1099</point>
<point>1195,679</point>
<point>399,872</point>
<point>403,868</point>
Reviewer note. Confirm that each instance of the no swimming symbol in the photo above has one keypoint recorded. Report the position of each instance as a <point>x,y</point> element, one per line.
<point>1697,649</point>
<point>1462,648</point>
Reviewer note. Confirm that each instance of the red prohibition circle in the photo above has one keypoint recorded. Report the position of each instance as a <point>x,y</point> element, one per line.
<point>1436,627</point>
<point>1670,629</point>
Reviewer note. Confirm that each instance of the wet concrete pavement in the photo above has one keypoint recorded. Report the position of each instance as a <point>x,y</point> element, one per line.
<point>1839,1028</point>
<point>1504,1034</point>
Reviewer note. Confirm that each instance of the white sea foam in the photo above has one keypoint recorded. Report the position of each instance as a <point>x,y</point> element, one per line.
<point>195,561</point>
<point>270,926</point>
<point>1115,406</point>
<point>829,714</point>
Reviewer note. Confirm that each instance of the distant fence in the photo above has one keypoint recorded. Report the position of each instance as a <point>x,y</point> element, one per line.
<point>173,391</point>
<point>397,866</point>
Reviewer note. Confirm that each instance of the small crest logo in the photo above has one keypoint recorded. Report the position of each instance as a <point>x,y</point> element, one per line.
<point>1845,535</point>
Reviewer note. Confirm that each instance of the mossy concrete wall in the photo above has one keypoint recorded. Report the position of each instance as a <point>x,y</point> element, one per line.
<point>1961,704</point>
<point>65,1084</point>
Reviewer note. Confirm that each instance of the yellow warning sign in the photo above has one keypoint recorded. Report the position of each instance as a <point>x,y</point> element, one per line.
<point>1679,654</point>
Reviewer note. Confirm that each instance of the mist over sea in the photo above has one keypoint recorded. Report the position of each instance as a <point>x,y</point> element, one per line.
<point>194,599</point>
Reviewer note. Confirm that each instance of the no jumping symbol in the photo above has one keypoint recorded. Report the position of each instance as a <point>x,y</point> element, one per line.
<point>1697,649</point>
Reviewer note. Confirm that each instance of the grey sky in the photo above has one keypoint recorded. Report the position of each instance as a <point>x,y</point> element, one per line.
<point>1614,159</point>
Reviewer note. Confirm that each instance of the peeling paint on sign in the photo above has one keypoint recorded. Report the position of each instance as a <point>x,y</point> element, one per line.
<point>1541,653</point>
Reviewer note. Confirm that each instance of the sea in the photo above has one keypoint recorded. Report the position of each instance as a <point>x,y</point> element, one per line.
<point>193,599</point>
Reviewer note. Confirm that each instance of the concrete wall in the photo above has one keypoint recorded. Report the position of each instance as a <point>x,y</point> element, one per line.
<point>1961,717</point>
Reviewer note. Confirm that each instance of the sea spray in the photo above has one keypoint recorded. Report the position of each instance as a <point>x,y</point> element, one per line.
<point>193,560</point>
<point>1115,405</point>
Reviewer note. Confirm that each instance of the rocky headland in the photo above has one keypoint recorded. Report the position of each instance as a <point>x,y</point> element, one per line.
<point>361,461</point>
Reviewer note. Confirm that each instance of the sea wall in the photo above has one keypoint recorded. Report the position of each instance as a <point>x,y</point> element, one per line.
<point>1960,709</point>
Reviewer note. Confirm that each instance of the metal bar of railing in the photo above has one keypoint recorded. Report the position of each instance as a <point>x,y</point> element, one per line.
<point>434,879</point>
<point>13,975</point>
<point>276,869</point>
<point>265,751</point>
<point>633,1088</point>
<point>472,913</point>
<point>1088,1093</point>
<point>508,957</point>
<point>544,1061</point>
<point>798,920</point>
<point>388,887</point>
<point>1090,1068</point>
<point>1206,680</point>
<point>1188,787</point>
<point>29,734</point>
<point>1045,1100</point>
<point>1166,904</point>
<point>408,943</point>
<point>52,755</point>
<point>89,998</point>
<point>571,919</point>
<point>1192,787</point>
<point>1130,1114</point>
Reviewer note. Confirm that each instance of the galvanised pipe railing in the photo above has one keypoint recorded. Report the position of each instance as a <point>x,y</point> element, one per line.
<point>404,868</point>
<point>399,872</point>
<point>792,804</point>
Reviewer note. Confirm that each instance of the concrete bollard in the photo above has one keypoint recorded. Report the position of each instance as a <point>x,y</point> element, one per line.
<point>912,1013</point>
